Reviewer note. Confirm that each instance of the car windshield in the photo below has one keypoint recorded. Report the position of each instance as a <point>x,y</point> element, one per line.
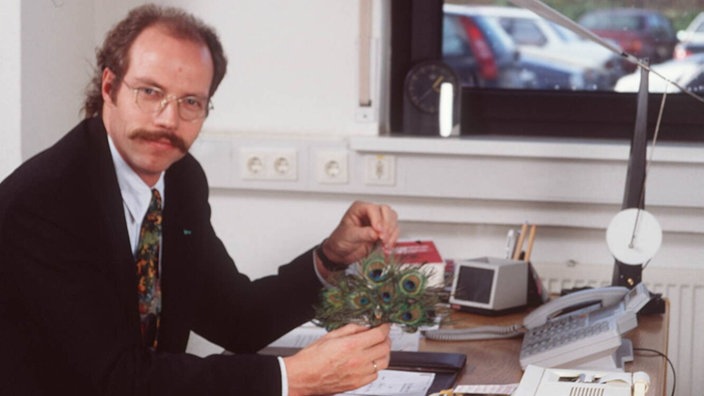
<point>495,35</point>
<point>565,34</point>
<point>605,21</point>
<point>699,28</point>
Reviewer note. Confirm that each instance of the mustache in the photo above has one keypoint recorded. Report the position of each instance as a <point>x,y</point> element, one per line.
<point>174,140</point>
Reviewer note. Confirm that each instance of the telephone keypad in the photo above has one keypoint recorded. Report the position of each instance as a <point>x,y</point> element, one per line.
<point>559,333</point>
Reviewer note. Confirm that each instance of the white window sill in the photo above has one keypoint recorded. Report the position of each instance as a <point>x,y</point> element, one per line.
<point>518,147</point>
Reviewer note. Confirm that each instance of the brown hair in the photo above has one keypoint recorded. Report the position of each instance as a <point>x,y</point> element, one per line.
<point>114,54</point>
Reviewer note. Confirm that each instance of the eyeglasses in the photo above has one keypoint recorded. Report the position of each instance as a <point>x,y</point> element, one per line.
<point>153,100</point>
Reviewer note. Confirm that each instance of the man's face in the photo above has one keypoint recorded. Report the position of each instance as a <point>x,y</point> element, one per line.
<point>151,141</point>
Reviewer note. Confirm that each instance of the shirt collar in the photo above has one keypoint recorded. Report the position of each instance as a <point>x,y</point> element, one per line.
<point>136,194</point>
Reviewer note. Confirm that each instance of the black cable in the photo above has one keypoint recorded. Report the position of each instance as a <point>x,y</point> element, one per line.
<point>672,366</point>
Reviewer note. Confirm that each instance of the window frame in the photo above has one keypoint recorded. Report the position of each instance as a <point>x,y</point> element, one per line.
<point>416,36</point>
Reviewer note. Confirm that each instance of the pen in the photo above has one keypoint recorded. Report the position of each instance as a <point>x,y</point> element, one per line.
<point>531,239</point>
<point>519,244</point>
<point>510,243</point>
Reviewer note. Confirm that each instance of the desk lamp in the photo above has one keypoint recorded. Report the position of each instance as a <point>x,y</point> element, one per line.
<point>634,235</point>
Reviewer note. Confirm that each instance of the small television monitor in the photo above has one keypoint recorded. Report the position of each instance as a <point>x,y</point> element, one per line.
<point>490,285</point>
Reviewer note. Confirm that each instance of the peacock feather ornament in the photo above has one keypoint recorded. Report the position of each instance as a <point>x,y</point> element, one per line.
<point>378,290</point>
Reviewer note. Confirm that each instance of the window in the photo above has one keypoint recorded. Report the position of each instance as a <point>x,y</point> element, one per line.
<point>524,31</point>
<point>523,75</point>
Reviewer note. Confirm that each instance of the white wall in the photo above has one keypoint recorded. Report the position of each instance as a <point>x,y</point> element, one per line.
<point>293,65</point>
<point>10,71</point>
<point>57,58</point>
<point>465,194</point>
<point>284,75</point>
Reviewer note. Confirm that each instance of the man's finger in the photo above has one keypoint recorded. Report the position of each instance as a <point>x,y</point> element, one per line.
<point>346,330</point>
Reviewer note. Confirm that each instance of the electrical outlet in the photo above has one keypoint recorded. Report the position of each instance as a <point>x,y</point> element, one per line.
<point>268,164</point>
<point>380,169</point>
<point>331,167</point>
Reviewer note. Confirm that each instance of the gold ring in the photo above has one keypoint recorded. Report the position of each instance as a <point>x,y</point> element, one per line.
<point>376,369</point>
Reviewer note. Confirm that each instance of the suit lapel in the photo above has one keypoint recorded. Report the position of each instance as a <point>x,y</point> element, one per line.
<point>103,180</point>
<point>176,274</point>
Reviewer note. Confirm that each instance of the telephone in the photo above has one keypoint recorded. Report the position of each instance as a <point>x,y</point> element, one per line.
<point>538,381</point>
<point>593,298</point>
<point>586,338</point>
<point>581,329</point>
<point>584,299</point>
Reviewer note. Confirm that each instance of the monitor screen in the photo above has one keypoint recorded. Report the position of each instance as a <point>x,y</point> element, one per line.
<point>474,284</point>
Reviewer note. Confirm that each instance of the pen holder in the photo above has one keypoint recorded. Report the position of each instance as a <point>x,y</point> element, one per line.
<point>537,293</point>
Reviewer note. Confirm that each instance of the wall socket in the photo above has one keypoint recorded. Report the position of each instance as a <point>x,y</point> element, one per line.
<point>331,166</point>
<point>380,169</point>
<point>268,163</point>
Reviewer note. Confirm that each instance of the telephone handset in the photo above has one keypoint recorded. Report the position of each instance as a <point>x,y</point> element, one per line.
<point>583,300</point>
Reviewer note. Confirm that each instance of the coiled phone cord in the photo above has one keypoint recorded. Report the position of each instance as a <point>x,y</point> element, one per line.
<point>475,333</point>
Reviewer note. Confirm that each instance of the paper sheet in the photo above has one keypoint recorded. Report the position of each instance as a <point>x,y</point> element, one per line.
<point>489,389</point>
<point>393,383</point>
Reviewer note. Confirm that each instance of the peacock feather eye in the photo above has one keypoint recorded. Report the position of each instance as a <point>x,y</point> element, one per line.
<point>387,294</point>
<point>360,299</point>
<point>412,283</point>
<point>375,271</point>
<point>409,315</point>
<point>333,297</point>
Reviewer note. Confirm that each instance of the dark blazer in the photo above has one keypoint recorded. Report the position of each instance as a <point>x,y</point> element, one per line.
<point>68,302</point>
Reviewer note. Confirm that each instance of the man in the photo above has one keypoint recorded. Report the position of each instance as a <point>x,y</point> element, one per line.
<point>70,221</point>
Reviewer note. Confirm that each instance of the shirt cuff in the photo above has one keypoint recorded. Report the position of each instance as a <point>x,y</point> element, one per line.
<point>284,377</point>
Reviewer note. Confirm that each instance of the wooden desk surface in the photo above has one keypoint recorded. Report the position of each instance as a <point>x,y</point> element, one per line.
<point>496,361</point>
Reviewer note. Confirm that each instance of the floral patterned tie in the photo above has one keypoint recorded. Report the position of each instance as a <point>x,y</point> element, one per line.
<point>148,287</point>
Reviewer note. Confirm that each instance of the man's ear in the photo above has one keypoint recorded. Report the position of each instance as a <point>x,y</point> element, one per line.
<point>107,86</point>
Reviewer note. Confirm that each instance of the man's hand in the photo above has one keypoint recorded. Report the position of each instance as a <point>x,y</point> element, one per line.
<point>363,226</point>
<point>343,359</point>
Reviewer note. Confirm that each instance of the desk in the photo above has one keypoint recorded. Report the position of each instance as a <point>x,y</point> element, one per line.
<point>496,361</point>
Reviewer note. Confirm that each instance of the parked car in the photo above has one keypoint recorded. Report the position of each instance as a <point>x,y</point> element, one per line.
<point>543,74</point>
<point>687,72</point>
<point>643,33</point>
<point>483,54</point>
<point>478,50</point>
<point>542,38</point>
<point>691,39</point>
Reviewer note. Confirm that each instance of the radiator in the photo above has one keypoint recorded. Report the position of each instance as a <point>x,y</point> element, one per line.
<point>684,288</point>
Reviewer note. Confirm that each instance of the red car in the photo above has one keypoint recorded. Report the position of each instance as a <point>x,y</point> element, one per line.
<point>641,32</point>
